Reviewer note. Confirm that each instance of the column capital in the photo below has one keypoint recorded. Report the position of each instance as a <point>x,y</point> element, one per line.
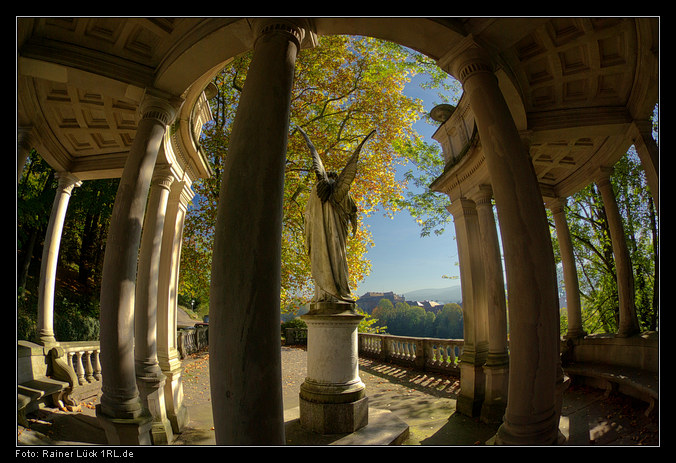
<point>26,136</point>
<point>67,181</point>
<point>482,195</point>
<point>297,28</point>
<point>163,178</point>
<point>602,175</point>
<point>462,207</point>
<point>466,58</point>
<point>159,108</point>
<point>556,204</point>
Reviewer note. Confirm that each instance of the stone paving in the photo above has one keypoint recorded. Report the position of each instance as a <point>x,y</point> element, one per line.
<point>425,402</point>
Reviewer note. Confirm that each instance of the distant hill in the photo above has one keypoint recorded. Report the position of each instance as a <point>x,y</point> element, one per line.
<point>441,295</point>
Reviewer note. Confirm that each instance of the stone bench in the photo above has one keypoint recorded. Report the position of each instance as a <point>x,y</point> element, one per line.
<point>634,382</point>
<point>31,393</point>
<point>629,365</point>
<point>43,376</point>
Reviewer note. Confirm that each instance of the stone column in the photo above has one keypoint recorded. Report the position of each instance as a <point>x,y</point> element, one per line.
<point>473,283</point>
<point>628,324</point>
<point>648,152</point>
<point>149,377</point>
<point>496,368</point>
<point>50,257</point>
<point>332,397</point>
<point>531,417</point>
<point>573,308</point>
<point>121,412</point>
<point>167,351</point>
<point>244,316</point>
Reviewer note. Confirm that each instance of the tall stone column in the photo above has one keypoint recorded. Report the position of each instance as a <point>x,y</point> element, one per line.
<point>628,324</point>
<point>149,376</point>
<point>570,280</point>
<point>531,417</point>
<point>496,367</point>
<point>472,281</point>
<point>121,412</point>
<point>244,316</point>
<point>167,350</point>
<point>648,152</point>
<point>50,257</point>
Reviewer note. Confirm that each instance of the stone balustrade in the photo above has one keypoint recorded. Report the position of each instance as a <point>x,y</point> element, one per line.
<point>425,354</point>
<point>83,357</point>
<point>192,339</point>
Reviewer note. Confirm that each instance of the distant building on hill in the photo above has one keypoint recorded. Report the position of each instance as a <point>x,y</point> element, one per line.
<point>429,306</point>
<point>370,300</point>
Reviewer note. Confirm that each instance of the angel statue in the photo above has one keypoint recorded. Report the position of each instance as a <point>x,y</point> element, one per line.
<point>329,212</point>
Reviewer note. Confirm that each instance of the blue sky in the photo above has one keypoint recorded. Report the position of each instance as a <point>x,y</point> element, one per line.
<point>401,259</point>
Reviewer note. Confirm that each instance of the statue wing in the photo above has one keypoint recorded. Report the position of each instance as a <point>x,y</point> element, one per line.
<point>324,184</point>
<point>317,164</point>
<point>348,173</point>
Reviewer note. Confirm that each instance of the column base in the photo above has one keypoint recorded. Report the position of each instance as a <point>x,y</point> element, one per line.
<point>333,418</point>
<point>529,431</point>
<point>161,432</point>
<point>151,390</point>
<point>472,390</point>
<point>495,401</point>
<point>126,431</point>
<point>177,413</point>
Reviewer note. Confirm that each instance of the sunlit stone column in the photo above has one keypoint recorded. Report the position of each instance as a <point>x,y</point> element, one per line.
<point>496,367</point>
<point>573,308</point>
<point>50,256</point>
<point>475,322</point>
<point>149,377</point>
<point>121,412</point>
<point>648,152</point>
<point>531,417</point>
<point>244,316</point>
<point>167,349</point>
<point>628,324</point>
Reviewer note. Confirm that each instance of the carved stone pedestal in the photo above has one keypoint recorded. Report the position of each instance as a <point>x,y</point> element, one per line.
<point>126,431</point>
<point>332,398</point>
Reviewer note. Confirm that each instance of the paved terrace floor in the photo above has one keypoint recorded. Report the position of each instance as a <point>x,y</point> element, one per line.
<point>425,402</point>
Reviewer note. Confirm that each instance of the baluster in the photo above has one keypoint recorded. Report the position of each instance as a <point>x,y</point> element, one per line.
<point>79,369</point>
<point>97,365</point>
<point>89,370</point>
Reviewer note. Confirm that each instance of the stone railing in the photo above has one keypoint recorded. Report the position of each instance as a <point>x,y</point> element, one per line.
<point>424,354</point>
<point>192,339</point>
<point>83,358</point>
<point>295,336</point>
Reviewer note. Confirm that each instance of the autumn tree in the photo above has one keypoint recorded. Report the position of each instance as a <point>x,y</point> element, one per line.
<point>343,89</point>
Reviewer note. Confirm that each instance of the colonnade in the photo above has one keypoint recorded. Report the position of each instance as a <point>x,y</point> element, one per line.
<point>531,397</point>
<point>520,389</point>
<point>142,394</point>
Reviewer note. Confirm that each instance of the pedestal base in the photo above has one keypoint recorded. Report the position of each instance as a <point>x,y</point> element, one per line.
<point>332,397</point>
<point>126,431</point>
<point>328,418</point>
